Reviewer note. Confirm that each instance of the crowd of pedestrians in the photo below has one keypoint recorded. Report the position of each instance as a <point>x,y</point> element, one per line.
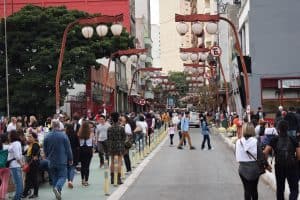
<point>261,139</point>
<point>63,146</point>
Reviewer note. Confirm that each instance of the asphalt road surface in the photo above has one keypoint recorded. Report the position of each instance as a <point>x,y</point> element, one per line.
<point>193,174</point>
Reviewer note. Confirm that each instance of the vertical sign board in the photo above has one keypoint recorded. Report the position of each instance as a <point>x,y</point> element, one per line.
<point>171,102</point>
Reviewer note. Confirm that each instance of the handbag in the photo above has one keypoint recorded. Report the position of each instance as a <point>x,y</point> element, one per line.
<point>26,168</point>
<point>260,160</point>
<point>128,142</point>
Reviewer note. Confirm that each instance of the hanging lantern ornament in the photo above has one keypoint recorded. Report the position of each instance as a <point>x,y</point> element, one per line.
<point>194,56</point>
<point>184,56</point>
<point>182,28</point>
<point>200,69</point>
<point>203,56</point>
<point>124,59</point>
<point>188,78</point>
<point>102,30</point>
<point>197,29</point>
<point>143,57</point>
<point>87,32</point>
<point>116,29</point>
<point>211,28</point>
<point>134,58</point>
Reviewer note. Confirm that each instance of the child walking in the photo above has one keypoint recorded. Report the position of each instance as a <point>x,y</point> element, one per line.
<point>171,132</point>
<point>205,133</point>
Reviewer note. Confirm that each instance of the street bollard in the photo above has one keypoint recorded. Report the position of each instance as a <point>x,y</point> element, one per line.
<point>106,178</point>
<point>132,155</point>
<point>123,170</point>
<point>142,149</point>
<point>138,153</point>
<point>116,171</point>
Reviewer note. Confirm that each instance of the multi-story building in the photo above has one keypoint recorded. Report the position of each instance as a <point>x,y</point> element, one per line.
<point>170,41</point>
<point>269,32</point>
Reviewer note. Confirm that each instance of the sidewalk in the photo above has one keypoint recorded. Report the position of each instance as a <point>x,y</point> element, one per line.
<point>268,177</point>
<point>96,179</point>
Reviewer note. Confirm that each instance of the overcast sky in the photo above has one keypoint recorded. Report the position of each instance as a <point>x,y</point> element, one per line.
<point>154,11</point>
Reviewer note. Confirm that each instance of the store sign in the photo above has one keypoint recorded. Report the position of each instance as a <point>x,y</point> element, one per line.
<point>149,95</point>
<point>289,83</point>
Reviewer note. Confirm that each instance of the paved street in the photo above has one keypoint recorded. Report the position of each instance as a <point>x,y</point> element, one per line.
<point>185,174</point>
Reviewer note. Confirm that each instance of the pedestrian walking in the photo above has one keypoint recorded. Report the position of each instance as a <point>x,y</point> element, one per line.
<point>205,132</point>
<point>33,159</point>
<point>185,131</point>
<point>179,128</point>
<point>124,120</point>
<point>58,151</point>
<point>248,151</point>
<point>15,161</point>
<point>293,122</point>
<point>74,142</point>
<point>116,145</point>
<point>287,156</point>
<point>4,171</point>
<point>171,132</point>
<point>101,138</point>
<point>86,135</point>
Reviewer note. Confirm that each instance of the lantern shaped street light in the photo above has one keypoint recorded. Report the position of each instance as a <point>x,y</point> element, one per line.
<point>87,33</point>
<point>197,28</point>
<point>211,27</point>
<point>147,70</point>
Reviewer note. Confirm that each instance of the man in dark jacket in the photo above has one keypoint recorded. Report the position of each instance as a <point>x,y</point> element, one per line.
<point>58,151</point>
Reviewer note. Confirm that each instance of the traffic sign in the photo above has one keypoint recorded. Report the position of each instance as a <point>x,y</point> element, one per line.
<point>215,51</point>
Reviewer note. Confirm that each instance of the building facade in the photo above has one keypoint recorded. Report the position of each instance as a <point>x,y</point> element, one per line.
<point>269,31</point>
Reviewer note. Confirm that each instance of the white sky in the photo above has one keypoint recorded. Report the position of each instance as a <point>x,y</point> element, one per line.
<point>154,4</point>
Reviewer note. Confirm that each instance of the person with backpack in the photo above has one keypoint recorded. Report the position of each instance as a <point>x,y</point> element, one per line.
<point>287,156</point>
<point>205,132</point>
<point>4,170</point>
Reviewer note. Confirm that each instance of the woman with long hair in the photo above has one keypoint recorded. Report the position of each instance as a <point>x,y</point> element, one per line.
<point>248,151</point>
<point>86,136</point>
<point>32,158</point>
<point>116,137</point>
<point>74,141</point>
<point>124,121</point>
<point>15,162</point>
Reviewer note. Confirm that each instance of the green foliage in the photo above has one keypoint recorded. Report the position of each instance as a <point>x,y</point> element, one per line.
<point>180,82</point>
<point>34,37</point>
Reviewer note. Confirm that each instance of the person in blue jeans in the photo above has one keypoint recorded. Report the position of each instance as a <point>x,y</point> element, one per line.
<point>58,151</point>
<point>205,132</point>
<point>15,162</point>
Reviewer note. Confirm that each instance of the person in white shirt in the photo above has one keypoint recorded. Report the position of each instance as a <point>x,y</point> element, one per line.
<point>124,120</point>
<point>143,126</point>
<point>101,138</point>
<point>12,125</point>
<point>171,132</point>
<point>247,152</point>
<point>15,161</point>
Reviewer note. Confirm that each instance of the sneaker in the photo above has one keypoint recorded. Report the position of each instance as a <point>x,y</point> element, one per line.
<point>33,196</point>
<point>179,147</point>
<point>70,185</point>
<point>192,148</point>
<point>211,148</point>
<point>57,193</point>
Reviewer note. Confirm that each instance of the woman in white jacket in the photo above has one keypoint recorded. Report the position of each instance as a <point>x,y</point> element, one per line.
<point>247,152</point>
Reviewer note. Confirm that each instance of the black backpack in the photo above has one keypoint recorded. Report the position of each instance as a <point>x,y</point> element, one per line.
<point>261,130</point>
<point>285,152</point>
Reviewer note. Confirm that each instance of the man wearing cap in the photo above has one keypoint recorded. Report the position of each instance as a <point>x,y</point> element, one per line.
<point>185,131</point>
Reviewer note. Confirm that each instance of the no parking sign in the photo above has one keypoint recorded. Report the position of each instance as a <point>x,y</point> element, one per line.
<point>215,51</point>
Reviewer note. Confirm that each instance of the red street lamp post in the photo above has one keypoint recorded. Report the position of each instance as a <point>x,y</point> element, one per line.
<point>214,19</point>
<point>123,54</point>
<point>102,31</point>
<point>148,69</point>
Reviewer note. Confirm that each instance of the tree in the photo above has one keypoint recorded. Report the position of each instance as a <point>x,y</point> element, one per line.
<point>34,37</point>
<point>179,78</point>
